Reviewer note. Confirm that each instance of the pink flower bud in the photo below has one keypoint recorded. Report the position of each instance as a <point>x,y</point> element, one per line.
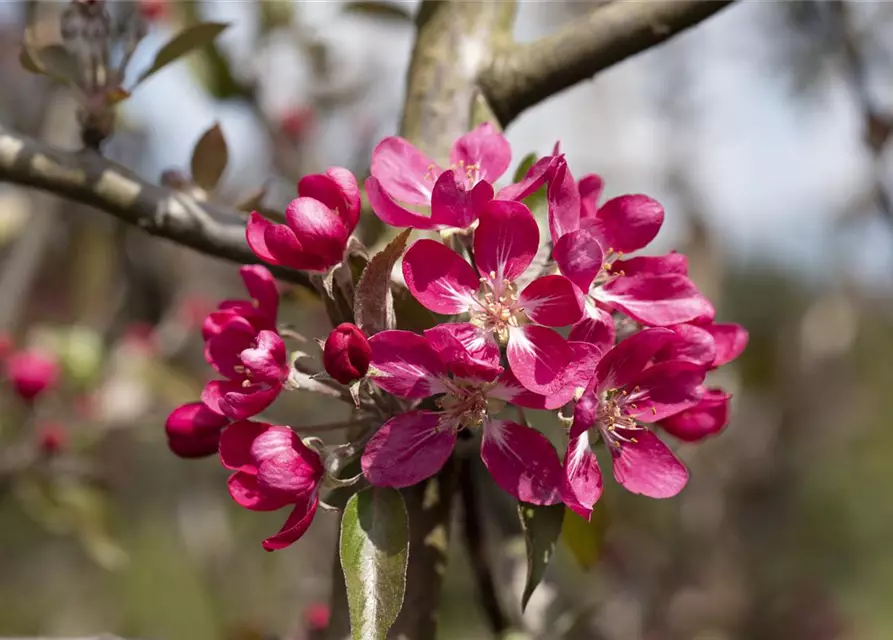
<point>31,372</point>
<point>153,10</point>
<point>193,430</point>
<point>317,615</point>
<point>51,438</point>
<point>347,353</point>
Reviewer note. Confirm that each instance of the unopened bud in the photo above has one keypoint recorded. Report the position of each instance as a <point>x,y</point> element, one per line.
<point>31,372</point>
<point>347,353</point>
<point>193,430</point>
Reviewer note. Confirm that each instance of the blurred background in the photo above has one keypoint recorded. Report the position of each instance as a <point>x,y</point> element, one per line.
<point>763,132</point>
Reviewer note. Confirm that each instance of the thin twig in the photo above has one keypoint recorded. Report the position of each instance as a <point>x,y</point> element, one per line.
<point>523,75</point>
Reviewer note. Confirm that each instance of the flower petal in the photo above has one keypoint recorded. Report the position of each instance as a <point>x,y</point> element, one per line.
<point>522,461</point>
<point>286,250</point>
<point>267,362</point>
<point>337,189</point>
<point>665,389</point>
<point>579,257</point>
<point>585,412</point>
<point>263,291</point>
<point>506,240</point>
<point>285,464</point>
<point>624,363</point>
<point>236,401</point>
<point>449,341</point>
<point>405,173</point>
<point>590,188</point>
<point>235,445</point>
<point>407,449</point>
<point>405,364</point>
<point>539,358</point>
<point>596,327</point>
<point>705,419</point>
<point>692,343</point>
<point>536,177</point>
<point>224,348</point>
<point>509,389</point>
<point>730,341</point>
<point>645,465</point>
<point>438,278</point>
<point>246,491</point>
<point>453,206</point>
<point>564,202</point>
<point>628,223</point>
<point>552,301</point>
<point>255,233</point>
<point>392,213</point>
<point>582,485</point>
<point>483,151</point>
<point>656,300</point>
<point>296,526</point>
<point>319,229</point>
<point>672,262</point>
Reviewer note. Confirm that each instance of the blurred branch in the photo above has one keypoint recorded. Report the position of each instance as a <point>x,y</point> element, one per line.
<point>90,179</point>
<point>476,546</point>
<point>522,75</point>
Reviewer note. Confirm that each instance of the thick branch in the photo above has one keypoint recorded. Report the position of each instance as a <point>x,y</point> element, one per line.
<point>91,179</point>
<point>524,75</point>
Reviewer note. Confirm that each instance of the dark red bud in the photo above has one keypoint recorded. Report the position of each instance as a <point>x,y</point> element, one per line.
<point>193,430</point>
<point>51,438</point>
<point>347,353</point>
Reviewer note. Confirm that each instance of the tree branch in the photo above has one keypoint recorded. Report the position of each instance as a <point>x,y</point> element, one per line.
<point>523,75</point>
<point>91,179</point>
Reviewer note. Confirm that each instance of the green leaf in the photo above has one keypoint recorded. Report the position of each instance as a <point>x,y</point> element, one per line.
<point>387,10</point>
<point>542,526</point>
<point>209,158</point>
<point>524,166</point>
<point>374,302</point>
<point>585,539</point>
<point>374,552</point>
<point>191,38</point>
<point>53,60</point>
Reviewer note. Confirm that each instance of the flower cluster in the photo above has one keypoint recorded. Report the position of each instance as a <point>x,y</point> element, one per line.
<point>568,323</point>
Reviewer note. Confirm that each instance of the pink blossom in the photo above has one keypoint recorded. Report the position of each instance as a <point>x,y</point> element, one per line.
<point>255,365</point>
<point>31,373</point>
<point>707,418</point>
<point>318,224</point>
<point>347,353</point>
<point>505,243</point>
<point>193,430</point>
<point>403,175</point>
<point>415,445</point>
<point>273,469</point>
<point>625,391</point>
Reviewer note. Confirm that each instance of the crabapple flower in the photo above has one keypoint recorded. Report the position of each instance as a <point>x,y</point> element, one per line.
<point>347,353</point>
<point>193,430</point>
<point>260,310</point>
<point>505,243</point>
<point>624,392</point>
<point>403,175</point>
<point>273,469</point>
<point>255,365</point>
<point>317,224</point>
<point>707,418</point>
<point>30,373</point>
<point>415,445</point>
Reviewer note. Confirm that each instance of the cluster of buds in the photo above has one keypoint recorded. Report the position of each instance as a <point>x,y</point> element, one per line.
<point>622,344</point>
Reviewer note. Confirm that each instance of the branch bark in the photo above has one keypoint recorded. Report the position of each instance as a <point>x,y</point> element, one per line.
<point>91,179</point>
<point>523,75</point>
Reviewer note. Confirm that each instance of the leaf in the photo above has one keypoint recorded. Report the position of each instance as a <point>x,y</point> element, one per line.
<point>191,38</point>
<point>585,539</point>
<point>524,166</point>
<point>542,526</point>
<point>53,60</point>
<point>374,302</point>
<point>209,158</point>
<point>387,10</point>
<point>374,552</point>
